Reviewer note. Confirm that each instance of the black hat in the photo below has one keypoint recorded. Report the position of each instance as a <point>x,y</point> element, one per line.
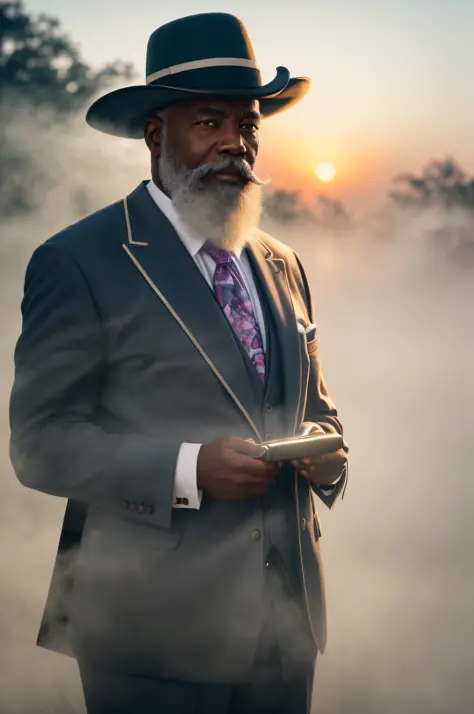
<point>205,54</point>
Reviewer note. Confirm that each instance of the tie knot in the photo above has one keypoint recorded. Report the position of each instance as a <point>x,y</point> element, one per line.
<point>221,257</point>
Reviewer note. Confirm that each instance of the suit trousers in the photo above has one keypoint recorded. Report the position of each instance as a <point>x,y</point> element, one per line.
<point>281,679</point>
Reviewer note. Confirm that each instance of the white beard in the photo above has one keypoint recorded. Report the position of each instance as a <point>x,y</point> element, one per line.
<point>224,214</point>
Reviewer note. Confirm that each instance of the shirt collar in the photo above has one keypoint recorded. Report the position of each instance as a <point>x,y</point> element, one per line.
<point>192,241</point>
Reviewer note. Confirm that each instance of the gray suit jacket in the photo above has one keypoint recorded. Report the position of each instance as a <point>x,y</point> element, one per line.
<point>124,354</point>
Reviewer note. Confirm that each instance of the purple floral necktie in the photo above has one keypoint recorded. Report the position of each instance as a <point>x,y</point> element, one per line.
<point>235,302</point>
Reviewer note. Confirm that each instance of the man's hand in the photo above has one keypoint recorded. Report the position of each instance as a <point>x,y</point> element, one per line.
<point>325,469</point>
<point>322,470</point>
<point>229,470</point>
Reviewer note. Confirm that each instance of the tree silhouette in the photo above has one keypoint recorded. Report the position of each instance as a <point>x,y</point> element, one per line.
<point>445,186</point>
<point>40,68</point>
<point>285,206</point>
<point>288,207</point>
<point>332,214</point>
<point>40,62</point>
<point>441,184</point>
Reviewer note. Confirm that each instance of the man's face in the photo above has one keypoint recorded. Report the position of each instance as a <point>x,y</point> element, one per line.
<point>203,154</point>
<point>201,132</point>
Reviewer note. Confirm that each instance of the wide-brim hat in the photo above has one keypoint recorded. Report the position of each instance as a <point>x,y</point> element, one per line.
<point>206,54</point>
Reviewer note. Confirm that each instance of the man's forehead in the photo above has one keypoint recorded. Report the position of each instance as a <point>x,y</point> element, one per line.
<point>221,106</point>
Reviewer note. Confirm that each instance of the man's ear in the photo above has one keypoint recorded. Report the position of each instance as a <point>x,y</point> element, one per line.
<point>153,134</point>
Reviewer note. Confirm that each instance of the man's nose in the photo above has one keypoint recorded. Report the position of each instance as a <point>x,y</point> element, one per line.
<point>232,143</point>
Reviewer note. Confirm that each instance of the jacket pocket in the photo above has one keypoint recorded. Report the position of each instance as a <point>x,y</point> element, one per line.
<point>122,535</point>
<point>153,537</point>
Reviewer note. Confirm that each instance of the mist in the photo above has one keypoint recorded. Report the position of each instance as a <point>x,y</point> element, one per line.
<point>397,348</point>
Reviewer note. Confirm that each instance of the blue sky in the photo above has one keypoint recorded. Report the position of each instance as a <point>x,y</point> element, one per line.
<point>392,80</point>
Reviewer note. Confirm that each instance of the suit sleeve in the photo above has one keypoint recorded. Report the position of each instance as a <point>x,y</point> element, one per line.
<point>320,408</point>
<point>58,443</point>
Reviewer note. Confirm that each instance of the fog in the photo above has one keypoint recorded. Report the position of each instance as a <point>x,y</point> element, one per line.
<point>395,321</point>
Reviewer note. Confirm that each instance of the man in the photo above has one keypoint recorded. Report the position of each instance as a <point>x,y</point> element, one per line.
<point>163,338</point>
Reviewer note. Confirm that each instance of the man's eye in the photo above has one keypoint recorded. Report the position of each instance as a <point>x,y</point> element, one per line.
<point>213,122</point>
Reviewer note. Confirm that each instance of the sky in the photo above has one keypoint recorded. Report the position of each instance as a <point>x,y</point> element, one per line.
<point>391,81</point>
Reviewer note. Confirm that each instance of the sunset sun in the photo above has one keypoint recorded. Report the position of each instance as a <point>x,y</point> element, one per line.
<point>325,172</point>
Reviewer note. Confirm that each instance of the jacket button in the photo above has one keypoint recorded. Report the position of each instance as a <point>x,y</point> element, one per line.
<point>141,508</point>
<point>149,510</point>
<point>133,507</point>
<point>255,535</point>
<point>304,524</point>
<point>268,407</point>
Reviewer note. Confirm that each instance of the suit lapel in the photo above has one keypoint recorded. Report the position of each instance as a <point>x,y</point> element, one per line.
<point>274,281</point>
<point>157,252</point>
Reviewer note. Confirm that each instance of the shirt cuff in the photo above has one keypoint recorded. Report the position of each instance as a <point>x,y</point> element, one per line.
<point>186,493</point>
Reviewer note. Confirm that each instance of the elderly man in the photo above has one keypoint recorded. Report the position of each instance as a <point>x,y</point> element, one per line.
<point>164,338</point>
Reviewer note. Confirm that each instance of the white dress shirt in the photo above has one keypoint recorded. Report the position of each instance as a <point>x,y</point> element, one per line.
<point>185,483</point>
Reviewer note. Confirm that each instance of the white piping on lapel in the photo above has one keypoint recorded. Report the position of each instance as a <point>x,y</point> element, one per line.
<point>181,323</point>
<point>129,227</point>
<point>300,383</point>
<point>277,266</point>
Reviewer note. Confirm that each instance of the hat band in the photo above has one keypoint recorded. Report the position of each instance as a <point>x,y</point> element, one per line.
<point>200,64</point>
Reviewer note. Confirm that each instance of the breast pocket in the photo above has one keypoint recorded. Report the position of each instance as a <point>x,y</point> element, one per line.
<point>127,538</point>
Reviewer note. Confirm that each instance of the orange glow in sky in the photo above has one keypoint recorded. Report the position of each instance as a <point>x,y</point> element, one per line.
<point>364,165</point>
<point>390,82</point>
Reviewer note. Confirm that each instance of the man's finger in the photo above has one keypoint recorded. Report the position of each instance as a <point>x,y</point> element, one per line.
<point>248,447</point>
<point>244,462</point>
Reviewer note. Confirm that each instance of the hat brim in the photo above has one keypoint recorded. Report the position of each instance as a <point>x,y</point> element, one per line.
<point>124,112</point>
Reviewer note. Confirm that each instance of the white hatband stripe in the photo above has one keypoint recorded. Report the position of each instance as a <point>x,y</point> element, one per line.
<point>200,64</point>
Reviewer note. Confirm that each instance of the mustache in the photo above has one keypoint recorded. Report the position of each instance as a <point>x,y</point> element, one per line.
<point>236,163</point>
